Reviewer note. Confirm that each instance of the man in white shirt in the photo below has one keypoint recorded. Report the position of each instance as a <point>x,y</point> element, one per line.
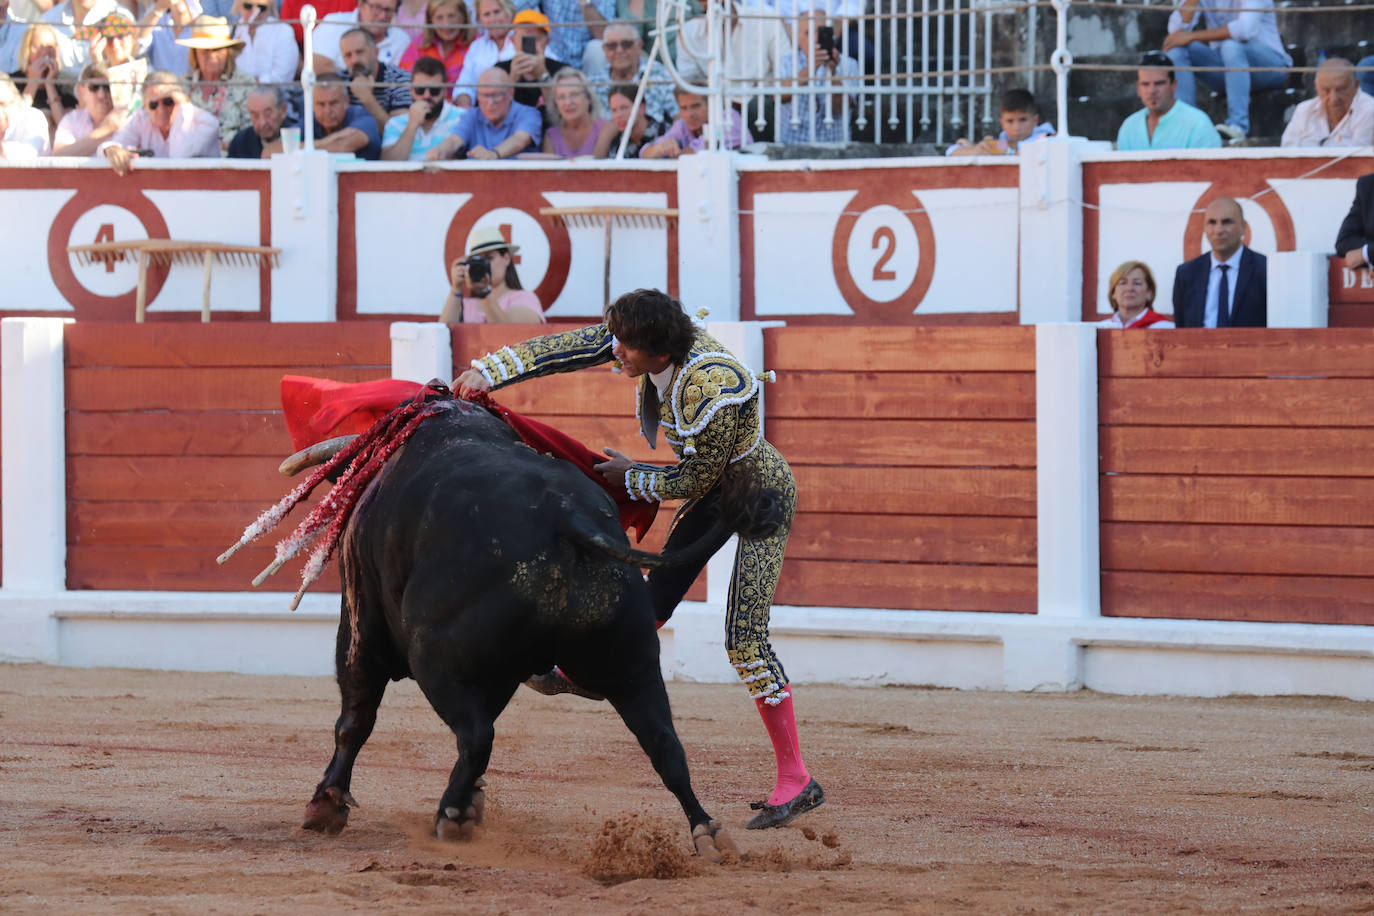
<point>1340,115</point>
<point>378,17</point>
<point>754,38</point>
<point>168,126</point>
<point>24,129</point>
<point>11,34</point>
<point>487,50</point>
<point>1235,34</point>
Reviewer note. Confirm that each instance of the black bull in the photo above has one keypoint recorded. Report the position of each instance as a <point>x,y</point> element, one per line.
<point>470,563</point>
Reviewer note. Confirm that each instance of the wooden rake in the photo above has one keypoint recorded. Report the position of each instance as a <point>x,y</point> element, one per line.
<point>170,251</point>
<point>607,218</point>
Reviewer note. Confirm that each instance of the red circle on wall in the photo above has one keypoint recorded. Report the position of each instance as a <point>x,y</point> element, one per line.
<point>894,195</point>
<point>89,304</point>
<point>1255,190</point>
<point>472,213</point>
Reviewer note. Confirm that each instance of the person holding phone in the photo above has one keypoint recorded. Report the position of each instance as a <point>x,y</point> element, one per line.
<point>530,69</point>
<point>484,286</point>
<point>819,118</point>
<point>269,49</point>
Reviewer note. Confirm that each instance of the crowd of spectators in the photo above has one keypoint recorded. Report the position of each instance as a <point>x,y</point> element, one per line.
<point>581,67</point>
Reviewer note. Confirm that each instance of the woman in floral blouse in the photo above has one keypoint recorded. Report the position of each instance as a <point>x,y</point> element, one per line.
<point>215,83</point>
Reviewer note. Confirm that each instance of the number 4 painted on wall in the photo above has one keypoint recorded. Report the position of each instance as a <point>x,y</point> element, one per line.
<point>106,234</point>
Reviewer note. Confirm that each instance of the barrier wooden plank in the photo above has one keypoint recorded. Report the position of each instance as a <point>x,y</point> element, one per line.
<point>799,392</point>
<point>1239,549</point>
<point>1237,352</point>
<point>1237,450</point>
<point>907,443</point>
<point>177,433</point>
<point>185,569</point>
<point>914,586</point>
<point>213,526</point>
<point>591,392</point>
<point>901,349</point>
<point>916,491</point>
<point>192,389</point>
<point>1237,500</point>
<point>913,538</point>
<point>193,478</point>
<point>1236,402</point>
<point>232,344</point>
<point>1277,599</point>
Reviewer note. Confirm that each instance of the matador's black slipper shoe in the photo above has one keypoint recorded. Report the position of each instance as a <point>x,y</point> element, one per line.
<point>776,815</point>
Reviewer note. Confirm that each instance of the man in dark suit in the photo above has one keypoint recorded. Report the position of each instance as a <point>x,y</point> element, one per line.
<point>1357,230</point>
<point>1228,286</point>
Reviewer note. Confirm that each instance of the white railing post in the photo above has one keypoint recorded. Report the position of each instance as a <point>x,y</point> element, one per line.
<point>308,77</point>
<point>708,234</point>
<point>1051,229</point>
<point>421,351</point>
<point>305,226</point>
<point>1298,294</point>
<point>1061,61</point>
<point>34,450</point>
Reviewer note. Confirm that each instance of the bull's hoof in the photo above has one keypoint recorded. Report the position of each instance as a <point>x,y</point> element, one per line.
<point>713,843</point>
<point>454,826</point>
<point>328,811</point>
<point>552,683</point>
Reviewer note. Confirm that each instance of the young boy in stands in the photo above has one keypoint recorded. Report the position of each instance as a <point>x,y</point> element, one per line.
<point>1020,120</point>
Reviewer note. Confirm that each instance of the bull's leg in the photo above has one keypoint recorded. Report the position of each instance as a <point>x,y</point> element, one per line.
<point>361,686</point>
<point>470,711</point>
<point>644,708</point>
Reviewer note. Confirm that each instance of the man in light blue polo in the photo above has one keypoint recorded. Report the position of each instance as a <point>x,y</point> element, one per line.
<point>497,127</point>
<point>1164,122</point>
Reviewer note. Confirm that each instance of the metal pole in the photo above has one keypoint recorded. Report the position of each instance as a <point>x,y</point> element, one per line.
<point>308,76</point>
<point>1061,61</point>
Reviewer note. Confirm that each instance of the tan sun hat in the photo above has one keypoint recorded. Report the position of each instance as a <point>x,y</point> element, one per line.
<point>210,32</point>
<point>489,238</point>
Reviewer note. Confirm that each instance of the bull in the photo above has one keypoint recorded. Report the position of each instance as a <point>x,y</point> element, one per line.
<point>470,562</point>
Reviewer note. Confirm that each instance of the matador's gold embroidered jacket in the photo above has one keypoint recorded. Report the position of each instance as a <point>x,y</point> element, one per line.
<point>710,418</point>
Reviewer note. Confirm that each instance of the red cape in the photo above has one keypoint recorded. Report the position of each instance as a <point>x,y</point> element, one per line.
<point>317,409</point>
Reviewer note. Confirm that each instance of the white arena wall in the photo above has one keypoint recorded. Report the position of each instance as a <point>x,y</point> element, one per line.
<point>980,241</point>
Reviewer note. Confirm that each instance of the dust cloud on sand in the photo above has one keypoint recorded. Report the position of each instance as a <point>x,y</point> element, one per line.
<point>145,792</point>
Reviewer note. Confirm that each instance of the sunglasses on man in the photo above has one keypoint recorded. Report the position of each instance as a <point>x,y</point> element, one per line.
<point>155,104</point>
<point>255,7</point>
<point>435,91</point>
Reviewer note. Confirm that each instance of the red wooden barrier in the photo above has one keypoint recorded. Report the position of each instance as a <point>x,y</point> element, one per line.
<point>1351,296</point>
<point>174,433</point>
<point>1237,482</point>
<point>914,450</point>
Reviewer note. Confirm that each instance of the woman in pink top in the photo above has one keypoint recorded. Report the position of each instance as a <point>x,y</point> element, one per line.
<point>581,131</point>
<point>484,287</point>
<point>446,39</point>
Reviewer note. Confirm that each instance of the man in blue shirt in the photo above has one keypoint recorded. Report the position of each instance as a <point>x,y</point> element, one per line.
<point>267,112</point>
<point>1164,122</point>
<point>341,127</point>
<point>497,127</point>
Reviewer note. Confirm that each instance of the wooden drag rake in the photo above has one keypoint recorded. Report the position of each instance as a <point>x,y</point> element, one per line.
<point>608,217</point>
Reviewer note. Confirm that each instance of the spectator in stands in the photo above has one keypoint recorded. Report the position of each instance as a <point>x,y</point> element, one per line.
<point>530,68</point>
<point>268,112</point>
<point>114,44</point>
<point>162,23</point>
<point>430,119</point>
<point>1228,286</point>
<point>446,40</point>
<point>384,90</point>
<point>816,118</point>
<point>1357,229</point>
<point>39,73</point>
<point>1020,120</point>
<point>753,46</point>
<point>1340,115</point>
<point>497,127</point>
<point>215,83</point>
<point>167,126</point>
<point>1132,297</point>
<point>644,130</point>
<point>269,47</point>
<point>66,19</point>
<point>581,130</point>
<point>11,36</point>
<point>625,59</point>
<point>378,17</point>
<point>412,15</point>
<point>94,120</point>
<point>576,38</point>
<point>484,287</point>
<point>24,131</point>
<point>291,13</point>
<point>498,44</point>
<point>340,125</point>
<point>1366,68</point>
<point>1235,34</point>
<point>1165,122</point>
<point>687,135</point>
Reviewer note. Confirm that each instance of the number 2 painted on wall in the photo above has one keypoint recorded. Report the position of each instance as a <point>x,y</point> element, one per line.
<point>880,235</point>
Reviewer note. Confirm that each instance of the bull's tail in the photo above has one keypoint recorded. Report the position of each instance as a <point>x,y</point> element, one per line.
<point>697,552</point>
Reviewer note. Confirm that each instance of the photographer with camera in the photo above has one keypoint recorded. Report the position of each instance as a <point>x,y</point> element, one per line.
<point>484,286</point>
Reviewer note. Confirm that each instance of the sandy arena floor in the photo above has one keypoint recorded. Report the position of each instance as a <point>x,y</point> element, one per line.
<point>145,792</point>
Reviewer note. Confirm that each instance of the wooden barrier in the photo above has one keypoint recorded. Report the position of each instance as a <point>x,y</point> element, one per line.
<point>174,433</point>
<point>1237,482</point>
<point>595,406</point>
<point>914,451</point>
<point>1351,296</point>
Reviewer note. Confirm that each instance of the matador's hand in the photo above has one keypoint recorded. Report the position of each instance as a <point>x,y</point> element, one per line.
<point>614,469</point>
<point>470,383</point>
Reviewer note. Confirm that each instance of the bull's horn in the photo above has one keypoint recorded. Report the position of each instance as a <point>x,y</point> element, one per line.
<point>315,454</point>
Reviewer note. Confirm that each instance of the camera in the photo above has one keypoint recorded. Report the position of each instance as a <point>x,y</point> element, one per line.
<point>479,270</point>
